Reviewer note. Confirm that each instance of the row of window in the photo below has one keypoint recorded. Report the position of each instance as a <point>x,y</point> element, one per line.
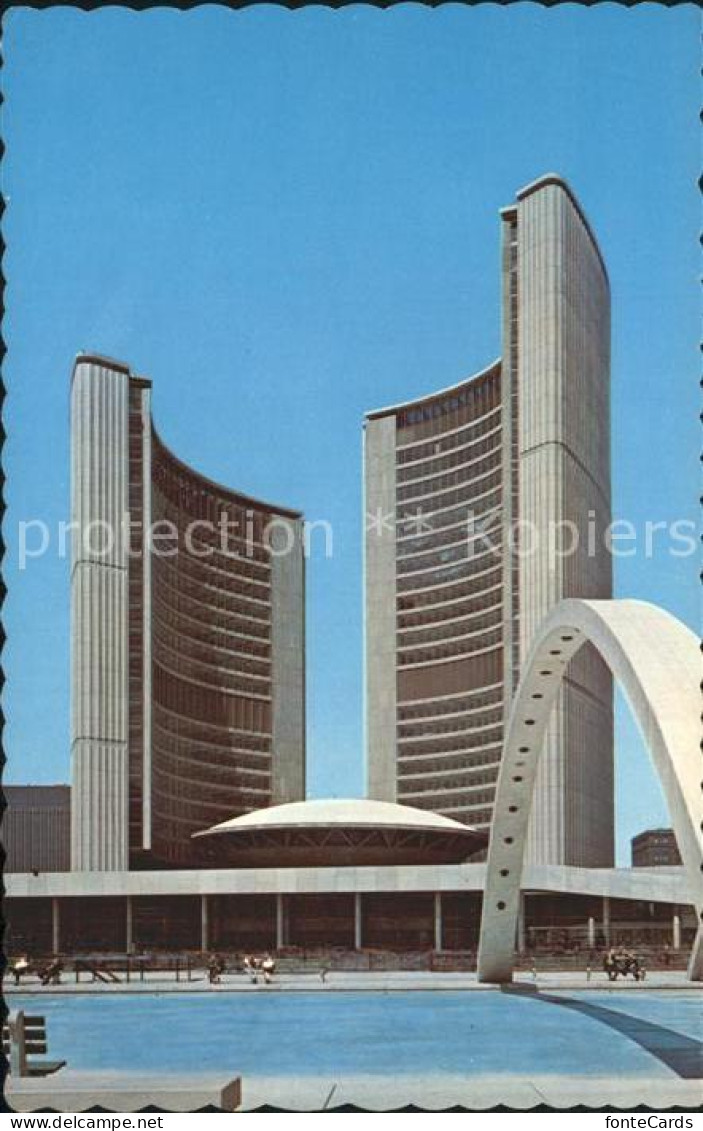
<point>461,609</point>
<point>459,743</point>
<point>443,598</point>
<point>448,440</point>
<point>475,448</point>
<point>237,635</point>
<point>467,471</point>
<point>477,818</point>
<point>452,704</point>
<point>423,536</point>
<point>237,596</point>
<point>206,674</point>
<point>196,701</point>
<point>136,622</point>
<point>435,559</point>
<point>442,798</point>
<point>217,568</point>
<point>470,551</point>
<point>208,543</point>
<point>458,807</point>
<point>188,494</point>
<point>451,649</point>
<point>463,504</point>
<point>417,522</point>
<point>195,782</point>
<point>445,787</point>
<point>473,721</point>
<point>208,736</point>
<point>480,579</point>
<point>458,629</point>
<point>438,764</point>
<point>488,474</point>
<point>230,652</point>
<point>175,818</point>
<point>209,739</point>
<point>474,399</point>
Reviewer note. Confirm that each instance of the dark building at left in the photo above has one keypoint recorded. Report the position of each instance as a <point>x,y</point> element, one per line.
<point>36,828</point>
<point>187,639</point>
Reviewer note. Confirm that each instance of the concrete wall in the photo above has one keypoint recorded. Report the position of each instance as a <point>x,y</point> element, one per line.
<point>659,885</point>
<point>288,662</point>
<point>380,608</point>
<point>564,475</point>
<point>99,708</point>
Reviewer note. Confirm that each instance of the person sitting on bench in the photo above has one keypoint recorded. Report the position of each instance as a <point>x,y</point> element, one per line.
<point>51,974</point>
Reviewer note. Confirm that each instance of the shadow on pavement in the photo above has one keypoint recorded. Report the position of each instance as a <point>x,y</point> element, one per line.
<point>683,1055</point>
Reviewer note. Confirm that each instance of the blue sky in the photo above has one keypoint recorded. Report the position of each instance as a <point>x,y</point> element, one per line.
<point>285,219</point>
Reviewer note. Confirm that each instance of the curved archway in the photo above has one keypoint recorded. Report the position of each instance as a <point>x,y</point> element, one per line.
<point>655,659</point>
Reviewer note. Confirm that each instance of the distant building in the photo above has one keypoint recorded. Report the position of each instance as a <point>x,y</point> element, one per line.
<point>36,828</point>
<point>655,848</point>
<point>468,493</point>
<point>187,638</point>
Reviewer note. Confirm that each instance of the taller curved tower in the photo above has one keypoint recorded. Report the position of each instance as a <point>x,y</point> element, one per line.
<point>188,690</point>
<point>473,497</point>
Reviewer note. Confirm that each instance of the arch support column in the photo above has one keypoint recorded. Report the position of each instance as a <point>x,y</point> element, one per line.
<point>655,659</point>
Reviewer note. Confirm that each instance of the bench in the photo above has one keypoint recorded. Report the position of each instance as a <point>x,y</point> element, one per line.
<point>24,1036</point>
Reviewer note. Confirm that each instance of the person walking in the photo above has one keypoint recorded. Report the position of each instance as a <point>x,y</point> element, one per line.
<point>250,968</point>
<point>268,967</point>
<point>20,967</point>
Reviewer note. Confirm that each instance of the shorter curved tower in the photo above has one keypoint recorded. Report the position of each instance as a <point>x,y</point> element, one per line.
<point>434,614</point>
<point>187,638</point>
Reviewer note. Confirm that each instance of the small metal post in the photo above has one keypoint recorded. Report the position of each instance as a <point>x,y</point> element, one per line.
<point>606,919</point>
<point>178,969</point>
<point>55,925</point>
<point>280,921</point>
<point>204,924</point>
<point>358,922</point>
<point>676,932</point>
<point>438,940</point>
<point>591,933</point>
<point>521,924</point>
<point>128,925</point>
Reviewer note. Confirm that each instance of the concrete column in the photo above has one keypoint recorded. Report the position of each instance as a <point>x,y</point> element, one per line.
<point>358,935</point>
<point>438,940</point>
<point>280,921</point>
<point>204,924</point>
<point>99,617</point>
<point>129,940</point>
<point>606,919</point>
<point>591,933</point>
<point>676,932</point>
<point>55,926</point>
<point>521,924</point>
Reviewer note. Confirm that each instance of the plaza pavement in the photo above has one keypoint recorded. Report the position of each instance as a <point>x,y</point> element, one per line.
<point>437,1093</point>
<point>383,981</point>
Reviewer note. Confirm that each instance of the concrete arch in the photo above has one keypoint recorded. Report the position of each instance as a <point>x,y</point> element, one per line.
<point>656,660</point>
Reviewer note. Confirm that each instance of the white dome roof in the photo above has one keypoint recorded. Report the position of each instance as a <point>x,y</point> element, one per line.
<point>356,812</point>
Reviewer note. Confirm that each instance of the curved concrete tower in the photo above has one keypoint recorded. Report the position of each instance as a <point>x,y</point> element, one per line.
<point>188,672</point>
<point>473,496</point>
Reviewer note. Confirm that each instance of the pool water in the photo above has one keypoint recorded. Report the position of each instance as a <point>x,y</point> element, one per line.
<point>394,1033</point>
